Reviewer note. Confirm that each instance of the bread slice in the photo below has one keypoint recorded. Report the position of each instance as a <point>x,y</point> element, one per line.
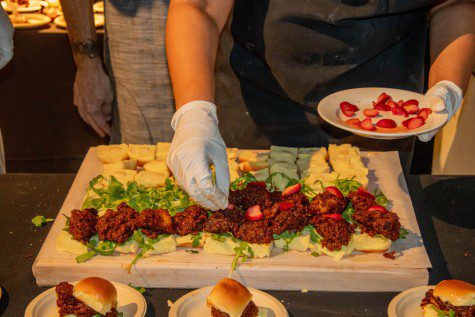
<point>130,246</point>
<point>112,153</point>
<point>187,241</point>
<point>158,166</point>
<point>122,176</point>
<point>226,245</point>
<point>66,243</point>
<point>165,245</point>
<point>149,179</point>
<point>161,150</point>
<point>300,243</point>
<point>337,255</point>
<point>143,153</point>
<point>121,165</point>
<point>364,243</point>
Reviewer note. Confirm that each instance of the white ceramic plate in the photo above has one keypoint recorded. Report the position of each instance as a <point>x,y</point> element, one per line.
<point>407,303</point>
<point>61,22</point>
<point>98,7</point>
<point>193,304</point>
<point>329,110</point>
<point>32,7</point>
<point>131,302</point>
<point>33,20</point>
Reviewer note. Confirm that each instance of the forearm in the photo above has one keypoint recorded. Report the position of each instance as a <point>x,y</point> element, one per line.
<point>192,37</point>
<point>452,44</point>
<point>82,32</point>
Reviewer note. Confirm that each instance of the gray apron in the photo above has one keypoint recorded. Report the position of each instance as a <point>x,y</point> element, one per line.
<point>136,60</point>
<point>279,58</point>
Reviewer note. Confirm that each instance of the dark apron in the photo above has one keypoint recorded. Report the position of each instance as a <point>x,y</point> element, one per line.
<point>278,58</point>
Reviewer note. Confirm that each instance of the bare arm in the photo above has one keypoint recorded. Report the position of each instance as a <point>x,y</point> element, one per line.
<point>193,30</point>
<point>452,44</point>
<point>92,88</point>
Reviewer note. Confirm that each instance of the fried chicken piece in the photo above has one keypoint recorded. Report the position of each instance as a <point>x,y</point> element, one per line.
<point>153,222</point>
<point>327,203</point>
<point>190,221</point>
<point>82,224</point>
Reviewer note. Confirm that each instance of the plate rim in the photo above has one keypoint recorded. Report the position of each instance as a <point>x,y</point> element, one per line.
<point>371,134</point>
<point>174,307</point>
<point>392,312</point>
<point>39,297</point>
<point>46,20</point>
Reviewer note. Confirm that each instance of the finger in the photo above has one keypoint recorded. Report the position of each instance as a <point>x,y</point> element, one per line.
<point>107,110</point>
<point>212,193</point>
<point>436,104</point>
<point>197,195</point>
<point>222,173</point>
<point>88,119</point>
<point>194,174</point>
<point>101,122</point>
<point>426,137</point>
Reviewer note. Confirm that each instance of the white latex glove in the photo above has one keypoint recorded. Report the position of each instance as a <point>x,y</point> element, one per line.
<point>443,95</point>
<point>6,38</point>
<point>196,145</point>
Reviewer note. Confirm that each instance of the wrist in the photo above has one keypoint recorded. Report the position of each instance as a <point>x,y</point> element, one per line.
<point>84,63</point>
<point>195,112</point>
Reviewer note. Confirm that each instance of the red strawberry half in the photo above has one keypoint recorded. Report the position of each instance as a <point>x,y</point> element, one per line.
<point>377,207</point>
<point>382,107</point>
<point>355,121</point>
<point>411,109</point>
<point>348,113</point>
<point>292,190</point>
<point>254,213</point>
<point>382,98</point>
<point>335,191</point>
<point>386,123</point>
<point>411,102</point>
<point>400,103</point>
<point>413,123</point>
<point>363,192</point>
<point>399,111</point>
<point>391,103</point>
<point>370,112</point>
<point>367,124</point>
<point>285,205</point>
<point>346,106</point>
<point>337,217</point>
<point>424,113</point>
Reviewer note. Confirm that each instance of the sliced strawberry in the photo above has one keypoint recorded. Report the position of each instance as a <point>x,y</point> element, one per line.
<point>370,112</point>
<point>230,206</point>
<point>285,205</point>
<point>383,97</point>
<point>254,213</point>
<point>257,184</point>
<point>400,103</point>
<point>367,124</point>
<point>382,107</point>
<point>411,109</point>
<point>424,113</point>
<point>355,121</point>
<point>411,102</point>
<point>405,122</point>
<point>348,113</point>
<point>337,217</point>
<point>334,191</point>
<point>376,207</point>
<point>292,189</point>
<point>399,111</point>
<point>415,123</point>
<point>363,192</point>
<point>346,106</point>
<point>391,103</point>
<point>386,123</point>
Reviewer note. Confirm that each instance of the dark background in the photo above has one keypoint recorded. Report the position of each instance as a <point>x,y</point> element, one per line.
<point>42,130</point>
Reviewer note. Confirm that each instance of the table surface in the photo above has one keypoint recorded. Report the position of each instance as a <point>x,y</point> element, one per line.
<point>443,205</point>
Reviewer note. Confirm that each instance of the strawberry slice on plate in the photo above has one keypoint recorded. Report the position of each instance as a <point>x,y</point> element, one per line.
<point>370,113</point>
<point>411,102</point>
<point>346,106</point>
<point>386,123</point>
<point>399,111</point>
<point>413,123</point>
<point>334,191</point>
<point>254,213</point>
<point>424,113</point>
<point>355,122</point>
<point>411,109</point>
<point>391,103</point>
<point>367,124</point>
<point>400,103</point>
<point>292,189</point>
<point>348,113</point>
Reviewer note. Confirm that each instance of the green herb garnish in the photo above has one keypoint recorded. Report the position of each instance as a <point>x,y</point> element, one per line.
<point>141,290</point>
<point>196,240</point>
<point>403,233</point>
<point>192,251</point>
<point>380,198</point>
<point>348,213</point>
<point>40,221</point>
<point>239,254</point>
<point>347,185</point>
<point>315,254</point>
<point>86,256</point>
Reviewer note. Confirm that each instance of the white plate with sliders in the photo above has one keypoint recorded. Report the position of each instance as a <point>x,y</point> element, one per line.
<point>194,304</point>
<point>363,98</point>
<point>61,22</point>
<point>408,303</point>
<point>131,302</point>
<point>33,6</point>
<point>30,21</point>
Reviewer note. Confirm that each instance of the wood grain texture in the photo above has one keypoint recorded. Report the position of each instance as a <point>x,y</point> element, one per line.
<point>283,271</point>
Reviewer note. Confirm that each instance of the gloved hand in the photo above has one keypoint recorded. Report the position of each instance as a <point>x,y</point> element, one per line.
<point>197,144</point>
<point>443,95</point>
<point>6,38</point>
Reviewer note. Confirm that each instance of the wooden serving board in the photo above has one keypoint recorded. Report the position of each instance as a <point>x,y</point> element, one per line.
<point>282,271</point>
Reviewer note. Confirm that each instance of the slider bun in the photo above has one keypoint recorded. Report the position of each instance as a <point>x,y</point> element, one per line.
<point>253,166</point>
<point>458,293</point>
<point>251,156</point>
<point>230,297</point>
<point>429,311</point>
<point>157,166</point>
<point>97,293</point>
<point>143,153</point>
<point>149,179</point>
<point>364,243</point>
<point>112,153</point>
